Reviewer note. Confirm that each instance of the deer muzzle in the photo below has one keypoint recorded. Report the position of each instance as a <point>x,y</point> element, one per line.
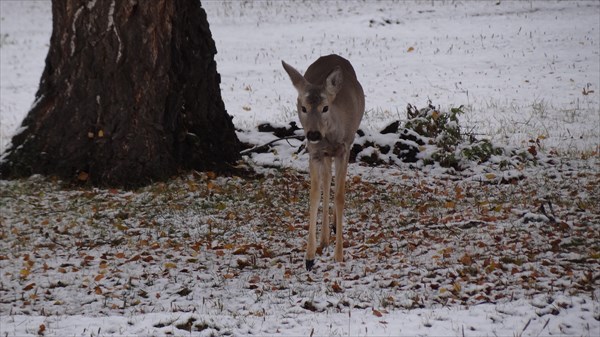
<point>314,136</point>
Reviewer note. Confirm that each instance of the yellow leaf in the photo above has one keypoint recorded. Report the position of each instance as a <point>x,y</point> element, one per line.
<point>490,176</point>
<point>170,265</point>
<point>100,134</point>
<point>121,227</point>
<point>450,204</point>
<point>456,287</point>
<point>410,49</point>
<point>24,273</point>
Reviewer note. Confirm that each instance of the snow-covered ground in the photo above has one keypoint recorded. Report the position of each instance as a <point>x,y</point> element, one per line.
<point>523,70</point>
<point>520,67</point>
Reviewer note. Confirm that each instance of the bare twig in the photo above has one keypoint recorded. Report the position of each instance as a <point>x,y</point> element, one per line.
<point>265,146</point>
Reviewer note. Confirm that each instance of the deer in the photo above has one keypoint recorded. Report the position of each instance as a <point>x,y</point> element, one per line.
<point>330,107</point>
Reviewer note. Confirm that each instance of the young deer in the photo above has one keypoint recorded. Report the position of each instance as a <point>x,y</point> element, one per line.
<point>331,104</point>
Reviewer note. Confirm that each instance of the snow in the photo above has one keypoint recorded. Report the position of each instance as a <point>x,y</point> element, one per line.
<point>521,69</point>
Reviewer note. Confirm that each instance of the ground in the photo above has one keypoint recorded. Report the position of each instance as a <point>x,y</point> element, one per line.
<point>427,252</point>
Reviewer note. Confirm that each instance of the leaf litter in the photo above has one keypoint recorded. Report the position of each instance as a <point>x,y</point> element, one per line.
<point>202,246</point>
<point>506,247</point>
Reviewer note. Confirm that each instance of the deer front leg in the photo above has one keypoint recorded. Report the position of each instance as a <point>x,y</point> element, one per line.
<point>326,181</point>
<point>341,167</point>
<point>315,195</point>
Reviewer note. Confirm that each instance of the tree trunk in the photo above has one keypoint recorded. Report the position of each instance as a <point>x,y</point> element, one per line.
<point>130,95</point>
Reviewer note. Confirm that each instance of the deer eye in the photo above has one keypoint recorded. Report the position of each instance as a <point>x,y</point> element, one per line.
<point>326,108</point>
<point>304,109</point>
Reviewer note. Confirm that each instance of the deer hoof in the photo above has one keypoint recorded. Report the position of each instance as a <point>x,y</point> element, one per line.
<point>310,264</point>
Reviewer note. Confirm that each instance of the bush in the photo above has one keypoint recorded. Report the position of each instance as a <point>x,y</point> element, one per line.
<point>434,137</point>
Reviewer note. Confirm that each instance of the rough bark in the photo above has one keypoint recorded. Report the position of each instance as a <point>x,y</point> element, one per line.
<point>129,95</point>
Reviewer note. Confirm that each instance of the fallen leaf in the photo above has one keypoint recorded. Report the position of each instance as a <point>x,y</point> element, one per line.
<point>336,288</point>
<point>83,176</point>
<point>466,260</point>
<point>170,265</point>
<point>24,272</point>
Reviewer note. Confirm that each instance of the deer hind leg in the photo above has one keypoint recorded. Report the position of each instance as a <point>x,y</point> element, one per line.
<point>341,167</point>
<point>315,195</point>
<point>326,182</point>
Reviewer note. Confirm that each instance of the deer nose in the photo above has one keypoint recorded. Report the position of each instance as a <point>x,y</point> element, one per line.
<point>313,136</point>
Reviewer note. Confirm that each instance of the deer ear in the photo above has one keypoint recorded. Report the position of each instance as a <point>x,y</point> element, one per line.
<point>297,79</point>
<point>333,83</point>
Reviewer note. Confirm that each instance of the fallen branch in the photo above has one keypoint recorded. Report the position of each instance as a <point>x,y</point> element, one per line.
<point>266,146</point>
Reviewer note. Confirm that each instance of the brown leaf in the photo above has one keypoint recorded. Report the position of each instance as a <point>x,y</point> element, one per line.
<point>29,286</point>
<point>83,176</point>
<point>377,313</point>
<point>337,288</point>
<point>135,258</point>
<point>466,260</point>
